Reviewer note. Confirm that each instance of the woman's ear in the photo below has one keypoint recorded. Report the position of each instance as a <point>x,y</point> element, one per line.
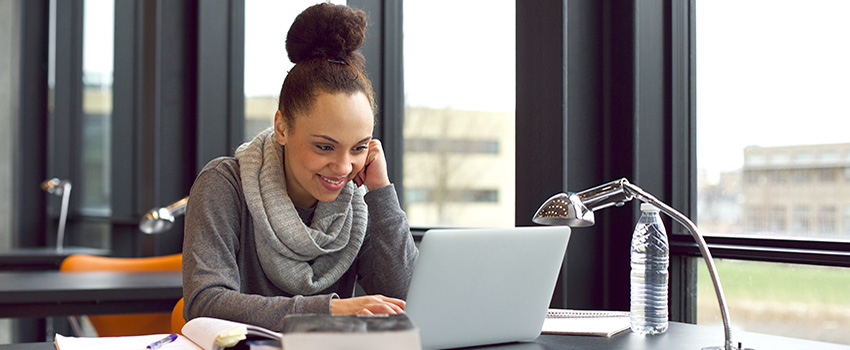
<point>280,128</point>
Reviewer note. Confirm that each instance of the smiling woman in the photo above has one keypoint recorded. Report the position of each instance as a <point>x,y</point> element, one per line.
<point>306,208</point>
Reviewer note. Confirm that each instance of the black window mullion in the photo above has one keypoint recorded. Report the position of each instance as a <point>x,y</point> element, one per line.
<point>541,114</point>
<point>683,160</point>
<point>220,79</point>
<point>29,226</point>
<point>127,98</point>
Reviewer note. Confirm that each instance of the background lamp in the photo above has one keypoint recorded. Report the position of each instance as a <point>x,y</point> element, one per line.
<point>60,188</point>
<point>576,210</point>
<point>160,220</point>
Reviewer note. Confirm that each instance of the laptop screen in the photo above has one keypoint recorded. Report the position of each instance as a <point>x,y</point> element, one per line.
<point>484,286</point>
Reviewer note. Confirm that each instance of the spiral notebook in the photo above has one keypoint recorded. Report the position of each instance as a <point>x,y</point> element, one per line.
<point>585,322</point>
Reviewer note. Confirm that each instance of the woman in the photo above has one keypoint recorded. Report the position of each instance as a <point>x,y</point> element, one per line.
<point>287,226</point>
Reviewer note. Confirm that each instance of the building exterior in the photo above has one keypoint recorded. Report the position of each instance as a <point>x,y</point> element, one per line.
<point>459,167</point>
<point>797,191</point>
<point>800,191</point>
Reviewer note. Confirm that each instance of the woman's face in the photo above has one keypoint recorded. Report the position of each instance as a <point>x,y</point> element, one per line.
<point>326,147</point>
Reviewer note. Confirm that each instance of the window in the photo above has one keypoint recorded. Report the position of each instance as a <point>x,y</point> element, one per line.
<point>459,113</point>
<point>769,77</point>
<point>779,73</point>
<point>98,23</point>
<point>266,62</point>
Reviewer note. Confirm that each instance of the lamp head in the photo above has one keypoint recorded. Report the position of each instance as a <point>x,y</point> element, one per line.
<point>56,186</point>
<point>564,209</point>
<point>161,220</point>
<point>156,221</point>
<point>576,209</point>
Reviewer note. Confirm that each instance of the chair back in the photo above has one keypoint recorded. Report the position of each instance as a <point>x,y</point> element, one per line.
<point>126,324</point>
<point>177,321</point>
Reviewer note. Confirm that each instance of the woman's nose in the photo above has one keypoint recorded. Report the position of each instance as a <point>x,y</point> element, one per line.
<point>343,164</point>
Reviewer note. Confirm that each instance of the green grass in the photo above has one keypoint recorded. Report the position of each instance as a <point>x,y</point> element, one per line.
<point>798,301</point>
<point>778,282</point>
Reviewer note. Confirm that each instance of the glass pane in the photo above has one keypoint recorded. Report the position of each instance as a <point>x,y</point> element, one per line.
<point>98,29</point>
<point>460,98</point>
<point>773,152</point>
<point>799,301</point>
<point>266,62</point>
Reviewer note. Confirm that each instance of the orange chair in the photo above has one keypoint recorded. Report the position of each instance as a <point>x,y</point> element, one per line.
<point>177,321</point>
<point>126,324</point>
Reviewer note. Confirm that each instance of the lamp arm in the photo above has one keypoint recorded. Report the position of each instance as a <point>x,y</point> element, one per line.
<point>63,216</point>
<point>179,207</point>
<point>703,248</point>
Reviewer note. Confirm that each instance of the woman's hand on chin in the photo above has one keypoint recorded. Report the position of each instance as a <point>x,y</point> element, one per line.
<point>374,173</point>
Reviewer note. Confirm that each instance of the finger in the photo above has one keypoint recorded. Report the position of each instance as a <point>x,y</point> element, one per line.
<point>384,309</point>
<point>396,309</point>
<point>395,301</point>
<point>396,305</point>
<point>375,149</point>
<point>364,312</point>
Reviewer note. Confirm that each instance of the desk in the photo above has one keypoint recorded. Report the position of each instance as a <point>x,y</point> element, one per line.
<point>680,336</point>
<point>41,258</point>
<point>53,293</point>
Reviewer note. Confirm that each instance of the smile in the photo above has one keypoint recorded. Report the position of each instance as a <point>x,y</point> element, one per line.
<point>331,181</point>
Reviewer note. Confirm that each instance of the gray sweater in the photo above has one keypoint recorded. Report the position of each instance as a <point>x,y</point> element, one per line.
<point>222,276</point>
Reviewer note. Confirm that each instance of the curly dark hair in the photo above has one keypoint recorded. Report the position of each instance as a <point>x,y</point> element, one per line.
<point>324,43</point>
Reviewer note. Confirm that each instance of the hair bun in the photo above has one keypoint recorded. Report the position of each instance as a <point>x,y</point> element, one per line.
<point>326,31</point>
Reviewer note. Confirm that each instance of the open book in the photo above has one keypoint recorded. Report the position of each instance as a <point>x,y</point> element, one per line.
<point>300,332</point>
<point>585,322</point>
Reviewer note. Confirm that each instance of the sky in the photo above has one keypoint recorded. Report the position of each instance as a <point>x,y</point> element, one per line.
<point>770,73</point>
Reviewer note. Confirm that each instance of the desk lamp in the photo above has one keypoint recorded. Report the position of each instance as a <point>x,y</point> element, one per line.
<point>160,220</point>
<point>576,210</point>
<point>60,188</point>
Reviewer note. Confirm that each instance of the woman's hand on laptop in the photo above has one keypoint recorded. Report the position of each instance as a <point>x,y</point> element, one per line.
<point>367,305</point>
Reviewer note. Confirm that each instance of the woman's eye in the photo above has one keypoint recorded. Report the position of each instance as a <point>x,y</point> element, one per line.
<point>361,148</point>
<point>324,148</point>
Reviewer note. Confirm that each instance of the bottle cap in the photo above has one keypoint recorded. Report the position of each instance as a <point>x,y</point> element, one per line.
<point>648,207</point>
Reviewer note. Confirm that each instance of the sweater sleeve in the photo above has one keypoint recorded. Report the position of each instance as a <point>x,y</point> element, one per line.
<point>388,254</point>
<point>214,283</point>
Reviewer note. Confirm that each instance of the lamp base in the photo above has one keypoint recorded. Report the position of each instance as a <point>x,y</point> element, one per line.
<point>723,348</point>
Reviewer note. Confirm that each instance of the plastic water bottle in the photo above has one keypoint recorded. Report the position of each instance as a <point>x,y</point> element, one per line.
<point>650,256</point>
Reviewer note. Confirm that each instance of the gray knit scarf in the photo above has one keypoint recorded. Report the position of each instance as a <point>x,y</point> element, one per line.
<point>296,258</point>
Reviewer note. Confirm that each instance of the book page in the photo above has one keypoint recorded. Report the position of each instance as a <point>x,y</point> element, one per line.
<point>62,342</point>
<point>213,333</point>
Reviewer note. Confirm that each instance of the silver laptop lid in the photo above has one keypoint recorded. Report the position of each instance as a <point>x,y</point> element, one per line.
<point>484,286</point>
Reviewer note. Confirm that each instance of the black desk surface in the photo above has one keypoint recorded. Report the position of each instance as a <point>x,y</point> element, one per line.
<point>41,258</point>
<point>680,336</point>
<point>53,293</point>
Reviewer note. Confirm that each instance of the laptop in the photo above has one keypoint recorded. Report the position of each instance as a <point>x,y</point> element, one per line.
<point>484,286</point>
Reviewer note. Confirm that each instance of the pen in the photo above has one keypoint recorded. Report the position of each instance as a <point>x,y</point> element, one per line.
<point>159,343</point>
